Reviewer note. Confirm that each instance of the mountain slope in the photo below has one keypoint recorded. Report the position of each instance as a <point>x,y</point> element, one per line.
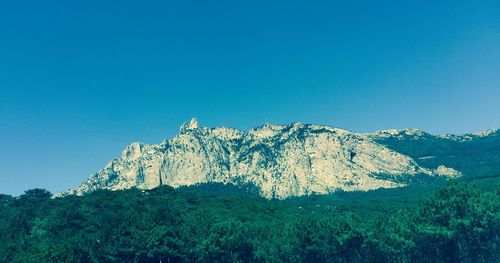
<point>280,160</point>
<point>475,155</point>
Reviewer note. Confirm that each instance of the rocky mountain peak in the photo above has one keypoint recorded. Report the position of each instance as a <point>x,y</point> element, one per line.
<point>279,160</point>
<point>191,125</point>
<point>485,133</point>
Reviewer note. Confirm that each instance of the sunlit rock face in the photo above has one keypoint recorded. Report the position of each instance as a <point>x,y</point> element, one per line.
<point>280,160</point>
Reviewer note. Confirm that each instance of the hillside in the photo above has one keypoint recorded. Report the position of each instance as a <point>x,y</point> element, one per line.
<point>475,155</point>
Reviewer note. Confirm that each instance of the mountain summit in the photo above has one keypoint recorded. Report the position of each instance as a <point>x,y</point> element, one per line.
<point>193,124</point>
<point>280,160</point>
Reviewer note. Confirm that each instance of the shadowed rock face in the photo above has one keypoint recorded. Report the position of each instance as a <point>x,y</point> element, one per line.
<point>280,160</point>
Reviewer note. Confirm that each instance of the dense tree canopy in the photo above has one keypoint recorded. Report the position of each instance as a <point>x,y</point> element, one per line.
<point>456,224</point>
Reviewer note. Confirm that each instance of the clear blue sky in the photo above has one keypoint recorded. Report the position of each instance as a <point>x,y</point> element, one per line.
<point>80,80</point>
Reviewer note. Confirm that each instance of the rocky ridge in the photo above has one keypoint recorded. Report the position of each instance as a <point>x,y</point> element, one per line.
<point>280,160</point>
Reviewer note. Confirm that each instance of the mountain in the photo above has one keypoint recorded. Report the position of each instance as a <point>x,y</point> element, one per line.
<point>279,160</point>
<point>475,155</point>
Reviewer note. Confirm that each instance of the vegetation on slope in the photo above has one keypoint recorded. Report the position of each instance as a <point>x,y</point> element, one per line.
<point>478,157</point>
<point>456,223</point>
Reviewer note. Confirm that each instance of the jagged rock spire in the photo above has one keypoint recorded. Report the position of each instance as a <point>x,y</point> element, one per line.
<point>192,125</point>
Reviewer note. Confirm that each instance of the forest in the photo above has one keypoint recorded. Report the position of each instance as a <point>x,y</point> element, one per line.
<point>455,223</point>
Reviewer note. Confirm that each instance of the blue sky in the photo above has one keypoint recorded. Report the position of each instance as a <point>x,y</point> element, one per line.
<point>80,80</point>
